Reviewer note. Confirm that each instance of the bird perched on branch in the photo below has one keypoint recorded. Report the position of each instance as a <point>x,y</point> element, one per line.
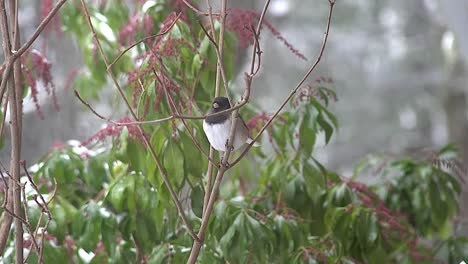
<point>217,128</point>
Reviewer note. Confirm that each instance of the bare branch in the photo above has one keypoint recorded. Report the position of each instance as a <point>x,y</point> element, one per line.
<point>212,193</point>
<point>155,121</point>
<point>91,108</point>
<point>2,126</point>
<point>208,35</point>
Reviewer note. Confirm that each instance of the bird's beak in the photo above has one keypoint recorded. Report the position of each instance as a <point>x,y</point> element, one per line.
<point>215,105</point>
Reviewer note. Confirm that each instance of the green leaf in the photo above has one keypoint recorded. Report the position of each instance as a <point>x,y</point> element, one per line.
<point>438,212</point>
<point>327,128</point>
<point>174,164</point>
<point>338,220</point>
<point>195,164</point>
<point>322,109</point>
<point>152,172</point>
<point>130,188</point>
<point>145,195</point>
<point>136,155</point>
<point>196,198</point>
<point>314,181</point>
<point>307,135</point>
<point>53,253</point>
<point>117,193</point>
<point>367,229</point>
<point>226,239</point>
<point>108,227</point>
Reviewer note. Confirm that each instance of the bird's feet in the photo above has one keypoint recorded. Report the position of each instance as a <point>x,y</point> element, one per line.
<point>226,165</point>
<point>227,145</point>
<point>221,164</point>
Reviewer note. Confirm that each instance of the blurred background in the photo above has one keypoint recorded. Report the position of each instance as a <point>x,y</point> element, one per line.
<point>398,68</point>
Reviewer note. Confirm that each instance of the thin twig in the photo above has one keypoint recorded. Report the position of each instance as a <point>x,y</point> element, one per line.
<point>2,126</point>
<point>155,121</point>
<point>220,52</point>
<point>196,10</point>
<point>7,218</point>
<point>209,182</point>
<point>46,208</point>
<point>28,226</point>
<point>15,216</point>
<point>220,67</point>
<point>5,199</point>
<point>92,109</point>
<point>3,84</point>
<point>143,93</point>
<point>208,35</point>
<point>256,51</point>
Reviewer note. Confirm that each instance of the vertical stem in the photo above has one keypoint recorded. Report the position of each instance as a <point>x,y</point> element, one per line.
<point>209,189</point>
<point>7,219</point>
<point>209,177</point>
<point>15,169</point>
<point>209,173</point>
<point>17,65</point>
<point>209,180</point>
<point>14,82</point>
<point>16,130</point>
<point>220,49</point>
<point>196,247</point>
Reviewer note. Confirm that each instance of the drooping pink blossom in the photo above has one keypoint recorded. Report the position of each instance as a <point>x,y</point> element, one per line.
<point>242,21</point>
<point>114,131</point>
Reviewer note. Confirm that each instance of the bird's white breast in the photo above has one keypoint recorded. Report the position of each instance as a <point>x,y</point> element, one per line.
<point>218,134</point>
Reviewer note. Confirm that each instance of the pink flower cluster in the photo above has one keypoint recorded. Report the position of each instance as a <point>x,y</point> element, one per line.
<point>242,21</point>
<point>115,131</point>
<point>36,67</point>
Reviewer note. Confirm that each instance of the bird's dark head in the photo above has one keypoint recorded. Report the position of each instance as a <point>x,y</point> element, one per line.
<point>220,104</point>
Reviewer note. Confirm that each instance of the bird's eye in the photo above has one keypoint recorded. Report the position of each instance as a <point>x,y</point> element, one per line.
<point>215,105</point>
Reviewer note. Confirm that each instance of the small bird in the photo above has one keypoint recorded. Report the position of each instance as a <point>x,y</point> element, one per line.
<point>217,128</point>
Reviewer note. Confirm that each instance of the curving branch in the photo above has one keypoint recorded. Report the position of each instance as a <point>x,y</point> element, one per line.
<point>293,91</point>
<point>155,121</point>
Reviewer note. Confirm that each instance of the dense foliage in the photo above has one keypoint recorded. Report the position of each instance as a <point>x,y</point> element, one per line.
<point>279,205</point>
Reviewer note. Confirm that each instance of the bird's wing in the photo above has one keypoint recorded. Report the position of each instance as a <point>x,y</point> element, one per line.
<point>249,140</point>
